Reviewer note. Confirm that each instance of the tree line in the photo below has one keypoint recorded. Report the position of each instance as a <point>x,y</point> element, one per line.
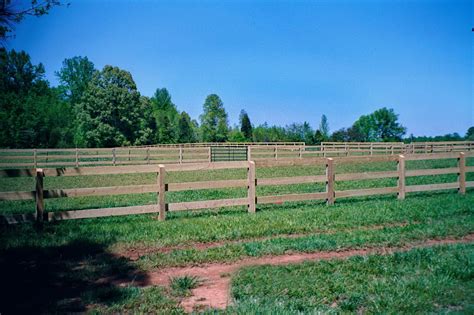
<point>103,108</point>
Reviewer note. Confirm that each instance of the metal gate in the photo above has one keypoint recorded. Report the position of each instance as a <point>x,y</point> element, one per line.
<point>228,153</point>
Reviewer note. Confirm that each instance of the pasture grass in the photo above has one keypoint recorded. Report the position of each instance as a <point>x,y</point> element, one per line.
<point>427,280</point>
<point>275,229</point>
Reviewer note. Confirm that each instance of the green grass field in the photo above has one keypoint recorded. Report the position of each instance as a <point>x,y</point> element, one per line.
<point>89,257</point>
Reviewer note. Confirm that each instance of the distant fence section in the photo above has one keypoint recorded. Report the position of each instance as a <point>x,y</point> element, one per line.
<point>229,153</point>
<point>251,182</point>
<point>210,152</point>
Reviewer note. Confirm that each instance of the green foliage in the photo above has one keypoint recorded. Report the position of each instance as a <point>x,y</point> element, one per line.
<point>186,133</point>
<point>470,134</point>
<point>323,129</point>
<point>245,126</point>
<point>235,135</point>
<point>214,123</point>
<point>109,113</point>
<point>74,76</point>
<point>31,113</point>
<point>166,116</point>
<point>11,13</point>
<point>182,286</point>
<point>381,125</point>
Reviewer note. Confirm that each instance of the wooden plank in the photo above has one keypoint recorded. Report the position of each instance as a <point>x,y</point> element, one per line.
<point>366,192</point>
<point>330,179</point>
<point>17,164</point>
<point>16,157</point>
<point>366,175</point>
<point>18,173</point>
<point>207,204</point>
<point>470,184</point>
<point>432,171</point>
<point>462,173</point>
<point>216,184</point>
<point>206,166</point>
<point>103,212</point>
<point>365,159</point>
<point>17,195</point>
<point>100,191</point>
<point>401,181</point>
<point>39,195</point>
<point>291,180</point>
<point>251,192</point>
<point>292,197</point>
<point>161,192</point>
<point>290,162</point>
<point>469,169</point>
<point>431,156</point>
<point>417,188</point>
<point>101,170</point>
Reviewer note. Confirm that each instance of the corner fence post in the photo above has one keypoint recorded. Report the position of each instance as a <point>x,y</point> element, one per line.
<point>252,183</point>
<point>401,176</point>
<point>39,195</point>
<point>161,192</point>
<point>249,153</point>
<point>330,181</point>
<point>462,173</point>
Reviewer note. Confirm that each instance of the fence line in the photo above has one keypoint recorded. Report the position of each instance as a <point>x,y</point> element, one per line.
<point>251,182</point>
<point>183,154</point>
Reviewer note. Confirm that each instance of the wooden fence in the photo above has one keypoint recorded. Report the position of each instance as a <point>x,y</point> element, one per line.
<point>181,154</point>
<point>251,182</point>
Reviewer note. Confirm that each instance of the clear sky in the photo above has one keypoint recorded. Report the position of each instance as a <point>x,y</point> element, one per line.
<point>281,61</point>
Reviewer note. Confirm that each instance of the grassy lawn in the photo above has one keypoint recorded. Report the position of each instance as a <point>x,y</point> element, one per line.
<point>87,256</point>
<point>429,280</point>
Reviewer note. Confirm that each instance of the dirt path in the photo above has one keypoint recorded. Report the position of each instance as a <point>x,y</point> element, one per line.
<point>214,291</point>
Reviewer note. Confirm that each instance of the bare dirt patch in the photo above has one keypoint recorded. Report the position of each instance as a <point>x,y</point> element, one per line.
<point>214,291</point>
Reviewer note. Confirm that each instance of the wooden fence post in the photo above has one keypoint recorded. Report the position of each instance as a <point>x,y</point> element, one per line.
<point>210,155</point>
<point>113,156</point>
<point>77,157</point>
<point>462,173</point>
<point>161,192</point>
<point>371,148</point>
<point>249,153</point>
<point>35,160</point>
<point>39,195</point>
<point>275,152</point>
<point>251,187</point>
<point>330,181</point>
<point>401,176</point>
<point>148,155</point>
<point>180,155</point>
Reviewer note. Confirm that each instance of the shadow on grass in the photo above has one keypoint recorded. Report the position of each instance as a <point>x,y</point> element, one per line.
<point>63,279</point>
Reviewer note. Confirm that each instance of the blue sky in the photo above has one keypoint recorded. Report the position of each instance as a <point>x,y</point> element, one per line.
<point>281,61</point>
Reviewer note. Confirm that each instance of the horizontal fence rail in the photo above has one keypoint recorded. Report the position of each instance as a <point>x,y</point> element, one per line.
<point>204,152</point>
<point>251,182</point>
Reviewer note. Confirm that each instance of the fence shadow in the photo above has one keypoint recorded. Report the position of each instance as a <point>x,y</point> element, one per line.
<point>63,279</point>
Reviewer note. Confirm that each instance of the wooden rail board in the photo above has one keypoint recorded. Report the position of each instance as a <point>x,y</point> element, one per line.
<point>207,204</point>
<point>430,187</point>
<point>366,192</point>
<point>291,180</point>
<point>291,197</point>
<point>102,212</point>
<point>207,184</point>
